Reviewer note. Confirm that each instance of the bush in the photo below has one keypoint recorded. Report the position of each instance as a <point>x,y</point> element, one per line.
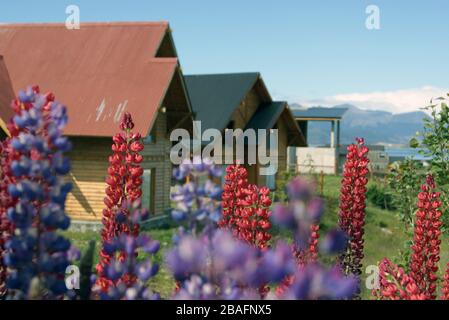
<point>381,197</point>
<point>281,185</point>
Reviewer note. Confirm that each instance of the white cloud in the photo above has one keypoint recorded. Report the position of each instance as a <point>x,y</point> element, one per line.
<point>397,101</point>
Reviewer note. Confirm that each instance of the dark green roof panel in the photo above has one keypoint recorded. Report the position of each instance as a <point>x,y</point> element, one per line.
<point>214,97</point>
<point>267,115</point>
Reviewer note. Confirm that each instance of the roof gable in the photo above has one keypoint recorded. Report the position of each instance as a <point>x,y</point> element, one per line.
<point>99,71</point>
<point>214,97</point>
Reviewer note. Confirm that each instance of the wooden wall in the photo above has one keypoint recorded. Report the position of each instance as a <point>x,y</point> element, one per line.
<point>157,156</point>
<point>282,144</point>
<point>89,159</point>
<point>253,171</point>
<point>246,110</point>
<point>241,117</point>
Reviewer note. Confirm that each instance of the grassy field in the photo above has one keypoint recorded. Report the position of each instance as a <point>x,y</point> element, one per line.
<point>385,236</point>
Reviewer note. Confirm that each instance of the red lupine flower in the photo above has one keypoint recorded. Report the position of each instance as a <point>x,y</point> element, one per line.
<point>352,206</point>
<point>395,284</point>
<point>236,179</point>
<point>421,281</point>
<point>445,288</point>
<point>303,257</point>
<point>123,189</point>
<point>6,228</point>
<point>136,146</point>
<point>246,208</point>
<point>426,240</point>
<point>311,253</point>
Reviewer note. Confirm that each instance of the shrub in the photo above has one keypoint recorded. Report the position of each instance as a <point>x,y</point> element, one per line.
<point>380,196</point>
<point>433,142</point>
<point>404,179</point>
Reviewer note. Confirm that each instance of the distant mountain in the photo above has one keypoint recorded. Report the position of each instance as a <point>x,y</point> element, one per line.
<point>377,127</point>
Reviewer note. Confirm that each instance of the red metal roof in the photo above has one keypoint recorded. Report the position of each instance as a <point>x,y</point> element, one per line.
<point>99,71</point>
<point>6,94</point>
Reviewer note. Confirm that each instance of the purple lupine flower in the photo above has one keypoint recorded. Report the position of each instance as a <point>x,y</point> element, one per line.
<point>130,276</point>
<point>334,242</point>
<point>189,256</point>
<point>199,198</point>
<point>36,255</point>
<point>302,211</point>
<point>315,282</point>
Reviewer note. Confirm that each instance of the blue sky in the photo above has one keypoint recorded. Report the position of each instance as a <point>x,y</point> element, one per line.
<point>307,51</point>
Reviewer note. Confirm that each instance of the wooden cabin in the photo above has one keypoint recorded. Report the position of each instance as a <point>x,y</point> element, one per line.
<point>100,72</point>
<point>6,97</point>
<point>241,100</point>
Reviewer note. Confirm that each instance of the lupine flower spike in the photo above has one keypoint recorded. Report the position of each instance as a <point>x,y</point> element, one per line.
<point>421,282</point>
<point>310,254</point>
<point>395,284</point>
<point>6,227</point>
<point>123,192</point>
<point>352,206</point>
<point>128,275</point>
<point>246,208</point>
<point>445,287</point>
<point>236,179</point>
<point>426,241</point>
<point>36,255</point>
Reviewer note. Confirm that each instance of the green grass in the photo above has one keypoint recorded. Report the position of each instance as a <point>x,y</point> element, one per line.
<point>163,282</point>
<point>385,236</point>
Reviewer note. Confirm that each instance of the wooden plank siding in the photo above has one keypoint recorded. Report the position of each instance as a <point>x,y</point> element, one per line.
<point>253,171</point>
<point>240,119</point>
<point>246,109</point>
<point>89,160</point>
<point>157,156</point>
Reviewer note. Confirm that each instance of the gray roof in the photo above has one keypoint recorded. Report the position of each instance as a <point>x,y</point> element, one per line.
<point>319,112</point>
<point>267,115</point>
<point>214,97</point>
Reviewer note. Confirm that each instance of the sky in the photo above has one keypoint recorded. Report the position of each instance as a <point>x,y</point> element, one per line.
<point>309,52</point>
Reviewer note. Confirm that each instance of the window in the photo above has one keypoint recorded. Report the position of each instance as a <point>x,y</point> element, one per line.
<point>148,189</point>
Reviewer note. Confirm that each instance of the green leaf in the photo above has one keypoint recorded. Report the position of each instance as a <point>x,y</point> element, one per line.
<point>414,143</point>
